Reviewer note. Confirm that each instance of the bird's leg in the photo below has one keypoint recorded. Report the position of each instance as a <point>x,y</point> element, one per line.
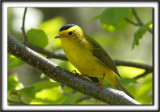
<point>101,83</point>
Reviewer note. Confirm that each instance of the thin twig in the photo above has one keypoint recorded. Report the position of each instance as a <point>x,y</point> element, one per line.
<point>148,68</point>
<point>133,64</point>
<point>142,75</point>
<point>128,20</point>
<point>46,52</point>
<point>139,20</point>
<point>137,17</point>
<point>23,25</point>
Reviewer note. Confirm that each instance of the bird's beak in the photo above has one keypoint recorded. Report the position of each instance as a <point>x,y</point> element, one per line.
<point>58,36</point>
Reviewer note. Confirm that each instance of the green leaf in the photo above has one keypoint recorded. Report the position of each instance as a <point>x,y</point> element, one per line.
<point>51,28</point>
<point>28,92</point>
<point>37,37</point>
<point>13,82</point>
<point>45,84</point>
<point>113,16</point>
<point>13,62</point>
<point>139,33</point>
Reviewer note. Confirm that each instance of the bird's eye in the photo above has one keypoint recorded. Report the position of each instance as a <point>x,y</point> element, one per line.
<point>70,33</point>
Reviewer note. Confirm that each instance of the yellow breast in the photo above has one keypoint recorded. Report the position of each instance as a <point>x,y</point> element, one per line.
<point>79,54</point>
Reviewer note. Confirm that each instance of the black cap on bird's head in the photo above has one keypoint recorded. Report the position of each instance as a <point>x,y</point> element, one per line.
<point>70,31</point>
<point>65,27</point>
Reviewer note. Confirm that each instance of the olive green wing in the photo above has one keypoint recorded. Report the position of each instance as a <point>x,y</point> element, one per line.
<point>102,55</point>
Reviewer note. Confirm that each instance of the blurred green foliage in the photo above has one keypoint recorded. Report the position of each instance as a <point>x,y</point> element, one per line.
<point>46,91</point>
<point>111,18</point>
<point>34,35</point>
<point>13,62</point>
<point>13,82</point>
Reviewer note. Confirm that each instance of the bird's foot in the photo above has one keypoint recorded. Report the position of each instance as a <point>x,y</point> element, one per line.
<point>100,84</point>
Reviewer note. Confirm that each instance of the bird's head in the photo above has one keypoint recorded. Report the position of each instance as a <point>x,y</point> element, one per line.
<point>70,31</point>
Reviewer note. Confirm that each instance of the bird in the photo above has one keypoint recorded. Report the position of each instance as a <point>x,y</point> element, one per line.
<point>88,56</point>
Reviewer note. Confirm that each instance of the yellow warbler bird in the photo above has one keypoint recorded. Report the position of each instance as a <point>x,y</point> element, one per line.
<point>88,56</point>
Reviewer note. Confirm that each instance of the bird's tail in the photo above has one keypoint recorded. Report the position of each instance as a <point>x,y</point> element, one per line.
<point>119,86</point>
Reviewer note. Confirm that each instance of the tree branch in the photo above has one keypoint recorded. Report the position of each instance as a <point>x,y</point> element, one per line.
<point>65,77</point>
